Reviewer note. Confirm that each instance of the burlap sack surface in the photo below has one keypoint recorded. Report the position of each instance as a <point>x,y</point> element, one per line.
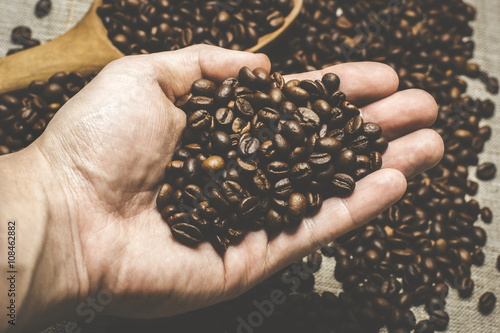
<point>463,313</point>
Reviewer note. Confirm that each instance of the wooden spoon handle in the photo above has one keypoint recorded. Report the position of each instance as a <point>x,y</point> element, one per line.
<point>85,48</point>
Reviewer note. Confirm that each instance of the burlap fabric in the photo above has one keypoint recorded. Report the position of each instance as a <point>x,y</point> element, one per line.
<point>463,313</point>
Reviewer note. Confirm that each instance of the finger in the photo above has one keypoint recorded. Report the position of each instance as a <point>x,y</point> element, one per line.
<point>414,153</point>
<point>177,70</point>
<point>373,194</point>
<point>402,112</point>
<point>362,82</point>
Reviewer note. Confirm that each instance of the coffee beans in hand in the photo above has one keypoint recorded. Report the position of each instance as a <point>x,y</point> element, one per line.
<point>261,154</point>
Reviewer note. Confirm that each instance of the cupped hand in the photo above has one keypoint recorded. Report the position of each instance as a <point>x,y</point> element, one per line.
<point>106,150</point>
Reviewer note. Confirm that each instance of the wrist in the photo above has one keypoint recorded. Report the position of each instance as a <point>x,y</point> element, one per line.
<point>47,283</point>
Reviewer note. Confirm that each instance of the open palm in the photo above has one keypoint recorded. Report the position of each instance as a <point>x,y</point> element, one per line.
<point>108,148</point>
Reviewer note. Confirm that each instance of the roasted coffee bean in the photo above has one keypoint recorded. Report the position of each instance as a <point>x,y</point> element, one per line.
<point>295,93</point>
<point>307,118</point>
<point>314,203</point>
<point>465,287</point>
<point>331,82</point>
<point>486,214</point>
<point>372,131</point>
<point>293,132</point>
<point>187,234</point>
<point>248,145</point>
<point>297,207</point>
<point>43,8</point>
<point>274,221</point>
<point>486,171</point>
<point>439,319</point>
<point>329,145</point>
<point>260,181</point>
<point>20,34</point>
<point>200,120</point>
<point>233,192</point>
<point>487,303</point>
<point>248,208</point>
<point>346,160</point>
<point>203,87</point>
<point>278,169</point>
<point>320,161</point>
<point>380,145</point>
<point>223,94</point>
<point>281,146</point>
<point>164,196</point>
<point>220,142</point>
<point>424,326</point>
<point>301,173</point>
<point>224,117</point>
<point>247,77</point>
<point>478,257</point>
<point>354,126</point>
<point>375,161</point>
<point>343,184</point>
<point>213,164</point>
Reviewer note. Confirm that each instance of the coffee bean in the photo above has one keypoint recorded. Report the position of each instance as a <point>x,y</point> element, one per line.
<point>329,145</point>
<point>486,171</point>
<point>372,131</point>
<point>187,234</point>
<point>375,161</point>
<point>20,34</point>
<point>281,146</point>
<point>293,132</point>
<point>465,287</point>
<point>297,207</point>
<point>487,303</point>
<point>353,126</point>
<point>380,144</point>
<point>424,326</point>
<point>248,208</point>
<point>248,145</point>
<point>247,77</point>
<point>213,164</point>
<point>331,82</point>
<point>233,192</point>
<point>224,117</point>
<point>307,118</point>
<point>301,174</point>
<point>346,160</point>
<point>498,263</point>
<point>203,87</point>
<point>164,196</point>
<point>486,214</point>
<point>260,181</point>
<point>200,120</point>
<point>42,8</point>
<point>343,184</point>
<point>439,319</point>
<point>273,221</point>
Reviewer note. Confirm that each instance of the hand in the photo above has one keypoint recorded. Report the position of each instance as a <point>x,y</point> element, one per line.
<point>98,166</point>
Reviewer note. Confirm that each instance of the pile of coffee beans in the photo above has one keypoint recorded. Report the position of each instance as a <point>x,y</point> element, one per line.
<point>141,26</point>
<point>25,114</point>
<point>261,153</point>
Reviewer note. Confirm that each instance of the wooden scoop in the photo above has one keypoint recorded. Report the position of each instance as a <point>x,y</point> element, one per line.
<point>86,48</point>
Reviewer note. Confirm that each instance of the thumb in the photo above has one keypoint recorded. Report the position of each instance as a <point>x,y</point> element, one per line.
<point>175,71</point>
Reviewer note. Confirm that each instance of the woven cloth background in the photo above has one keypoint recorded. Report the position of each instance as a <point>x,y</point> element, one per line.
<point>463,313</point>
